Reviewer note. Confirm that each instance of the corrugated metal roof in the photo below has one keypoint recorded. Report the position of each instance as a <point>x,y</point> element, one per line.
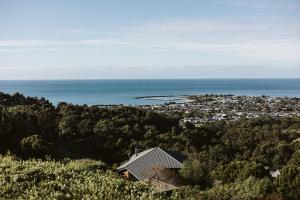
<point>142,165</point>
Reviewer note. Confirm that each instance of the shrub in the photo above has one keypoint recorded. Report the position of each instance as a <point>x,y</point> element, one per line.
<point>195,172</point>
<point>240,170</point>
<point>35,146</point>
<point>34,179</point>
<point>288,182</point>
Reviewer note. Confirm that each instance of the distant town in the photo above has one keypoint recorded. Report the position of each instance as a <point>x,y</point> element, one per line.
<point>199,109</point>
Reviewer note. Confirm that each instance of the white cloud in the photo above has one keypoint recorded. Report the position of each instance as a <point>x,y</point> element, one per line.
<point>266,4</point>
<point>177,26</point>
<point>31,43</point>
<point>272,41</point>
<point>256,39</point>
<point>24,49</point>
<point>74,31</point>
<point>101,72</point>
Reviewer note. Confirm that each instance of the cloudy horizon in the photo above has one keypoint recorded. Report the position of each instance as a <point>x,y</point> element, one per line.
<point>138,39</point>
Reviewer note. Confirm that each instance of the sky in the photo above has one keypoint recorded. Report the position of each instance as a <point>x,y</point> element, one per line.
<point>136,39</point>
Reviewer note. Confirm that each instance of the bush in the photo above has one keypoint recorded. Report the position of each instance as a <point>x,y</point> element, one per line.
<point>34,179</point>
<point>240,170</point>
<point>34,146</point>
<point>250,188</point>
<point>288,182</point>
<point>196,172</point>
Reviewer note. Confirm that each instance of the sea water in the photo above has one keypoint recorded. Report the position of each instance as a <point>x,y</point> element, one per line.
<point>96,92</point>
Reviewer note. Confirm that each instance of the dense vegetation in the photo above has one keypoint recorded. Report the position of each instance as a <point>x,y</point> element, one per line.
<point>80,179</point>
<point>225,160</point>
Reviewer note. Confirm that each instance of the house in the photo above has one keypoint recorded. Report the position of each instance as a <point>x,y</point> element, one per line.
<point>155,165</point>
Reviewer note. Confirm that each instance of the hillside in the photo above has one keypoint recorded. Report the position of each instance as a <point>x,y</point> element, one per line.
<point>226,160</point>
<point>80,179</point>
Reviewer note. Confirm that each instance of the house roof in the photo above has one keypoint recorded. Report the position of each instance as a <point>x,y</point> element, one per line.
<point>142,164</point>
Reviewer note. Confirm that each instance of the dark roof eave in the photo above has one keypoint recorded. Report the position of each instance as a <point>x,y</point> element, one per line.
<point>121,169</point>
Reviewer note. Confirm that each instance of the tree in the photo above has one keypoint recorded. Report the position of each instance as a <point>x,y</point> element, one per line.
<point>85,128</point>
<point>35,146</point>
<point>295,160</point>
<point>196,173</point>
<point>68,126</point>
<point>239,170</point>
<point>288,182</point>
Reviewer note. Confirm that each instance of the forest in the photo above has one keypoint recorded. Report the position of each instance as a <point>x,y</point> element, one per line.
<point>70,151</point>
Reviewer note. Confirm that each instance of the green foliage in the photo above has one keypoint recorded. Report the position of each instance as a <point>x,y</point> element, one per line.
<point>240,170</point>
<point>295,159</point>
<point>86,179</point>
<point>35,146</point>
<point>80,179</point>
<point>288,182</point>
<point>250,188</point>
<point>195,172</point>
<point>227,160</point>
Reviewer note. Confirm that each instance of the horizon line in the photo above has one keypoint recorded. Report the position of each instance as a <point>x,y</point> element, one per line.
<point>94,79</point>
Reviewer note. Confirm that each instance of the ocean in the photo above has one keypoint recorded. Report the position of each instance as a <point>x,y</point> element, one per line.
<point>96,92</point>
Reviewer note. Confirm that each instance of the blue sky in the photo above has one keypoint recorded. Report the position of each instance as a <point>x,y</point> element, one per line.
<point>95,39</point>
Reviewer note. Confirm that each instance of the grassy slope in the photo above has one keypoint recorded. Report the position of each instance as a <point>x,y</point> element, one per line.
<point>81,179</point>
<point>89,179</point>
